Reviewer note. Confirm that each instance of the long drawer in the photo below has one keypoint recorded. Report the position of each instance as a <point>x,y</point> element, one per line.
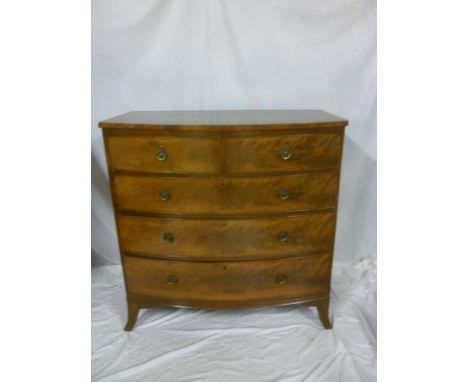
<point>247,195</point>
<point>226,239</point>
<point>185,283</point>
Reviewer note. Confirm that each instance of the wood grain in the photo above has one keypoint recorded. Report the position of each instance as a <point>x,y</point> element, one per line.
<point>214,242</point>
<point>262,154</point>
<point>184,155</point>
<point>223,120</point>
<point>132,310</point>
<point>214,239</point>
<point>226,195</point>
<point>228,281</point>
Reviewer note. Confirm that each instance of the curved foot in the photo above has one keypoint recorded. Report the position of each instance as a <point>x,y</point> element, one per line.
<point>322,307</point>
<point>132,309</point>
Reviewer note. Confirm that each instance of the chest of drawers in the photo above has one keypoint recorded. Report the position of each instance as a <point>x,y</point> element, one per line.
<point>225,209</point>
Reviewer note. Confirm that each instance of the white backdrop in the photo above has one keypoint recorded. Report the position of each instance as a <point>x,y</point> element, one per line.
<point>241,54</point>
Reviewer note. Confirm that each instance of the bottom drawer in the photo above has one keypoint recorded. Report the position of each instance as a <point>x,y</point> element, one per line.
<point>186,283</point>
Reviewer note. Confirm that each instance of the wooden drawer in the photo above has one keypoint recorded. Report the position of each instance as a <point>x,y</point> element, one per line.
<point>283,153</point>
<point>164,154</point>
<point>227,239</point>
<point>251,195</point>
<point>186,283</point>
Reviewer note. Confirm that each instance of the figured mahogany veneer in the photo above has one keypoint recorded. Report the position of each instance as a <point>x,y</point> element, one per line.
<point>262,154</point>
<point>225,209</point>
<point>185,155</point>
<point>228,283</point>
<point>227,239</point>
<point>226,195</point>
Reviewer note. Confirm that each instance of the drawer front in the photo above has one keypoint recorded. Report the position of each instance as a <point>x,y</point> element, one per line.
<point>274,194</point>
<point>185,282</point>
<point>164,154</point>
<point>227,239</point>
<point>283,153</point>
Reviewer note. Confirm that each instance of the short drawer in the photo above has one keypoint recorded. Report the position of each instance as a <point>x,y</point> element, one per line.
<point>182,282</point>
<point>227,239</point>
<point>283,153</point>
<point>247,195</point>
<point>164,154</point>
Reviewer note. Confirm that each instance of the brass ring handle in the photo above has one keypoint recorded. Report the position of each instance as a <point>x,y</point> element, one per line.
<point>283,194</point>
<point>164,195</point>
<point>168,237</point>
<point>286,153</point>
<point>281,279</point>
<point>283,236</point>
<point>161,155</point>
<point>172,280</point>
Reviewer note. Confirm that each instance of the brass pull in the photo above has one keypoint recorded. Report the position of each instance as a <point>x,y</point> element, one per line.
<point>168,237</point>
<point>172,280</point>
<point>286,153</point>
<point>161,155</point>
<point>283,194</point>
<point>164,195</point>
<point>283,236</point>
<point>281,279</point>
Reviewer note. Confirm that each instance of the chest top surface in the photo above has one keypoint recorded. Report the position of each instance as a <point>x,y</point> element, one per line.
<point>220,120</point>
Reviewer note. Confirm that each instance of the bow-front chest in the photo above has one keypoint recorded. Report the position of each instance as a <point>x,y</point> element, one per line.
<point>225,209</point>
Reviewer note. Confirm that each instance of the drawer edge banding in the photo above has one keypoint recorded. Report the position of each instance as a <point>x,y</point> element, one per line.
<point>215,216</point>
<point>220,259</point>
<point>257,174</point>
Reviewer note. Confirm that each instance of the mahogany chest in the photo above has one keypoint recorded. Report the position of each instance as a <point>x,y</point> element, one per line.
<point>225,209</point>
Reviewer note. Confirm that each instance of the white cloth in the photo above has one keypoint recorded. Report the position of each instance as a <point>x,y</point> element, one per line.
<point>286,344</point>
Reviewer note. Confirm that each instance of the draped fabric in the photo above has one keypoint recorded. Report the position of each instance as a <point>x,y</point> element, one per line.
<point>286,344</point>
<point>240,54</point>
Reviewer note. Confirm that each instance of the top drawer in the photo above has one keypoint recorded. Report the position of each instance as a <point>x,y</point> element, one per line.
<point>282,153</point>
<point>165,154</point>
